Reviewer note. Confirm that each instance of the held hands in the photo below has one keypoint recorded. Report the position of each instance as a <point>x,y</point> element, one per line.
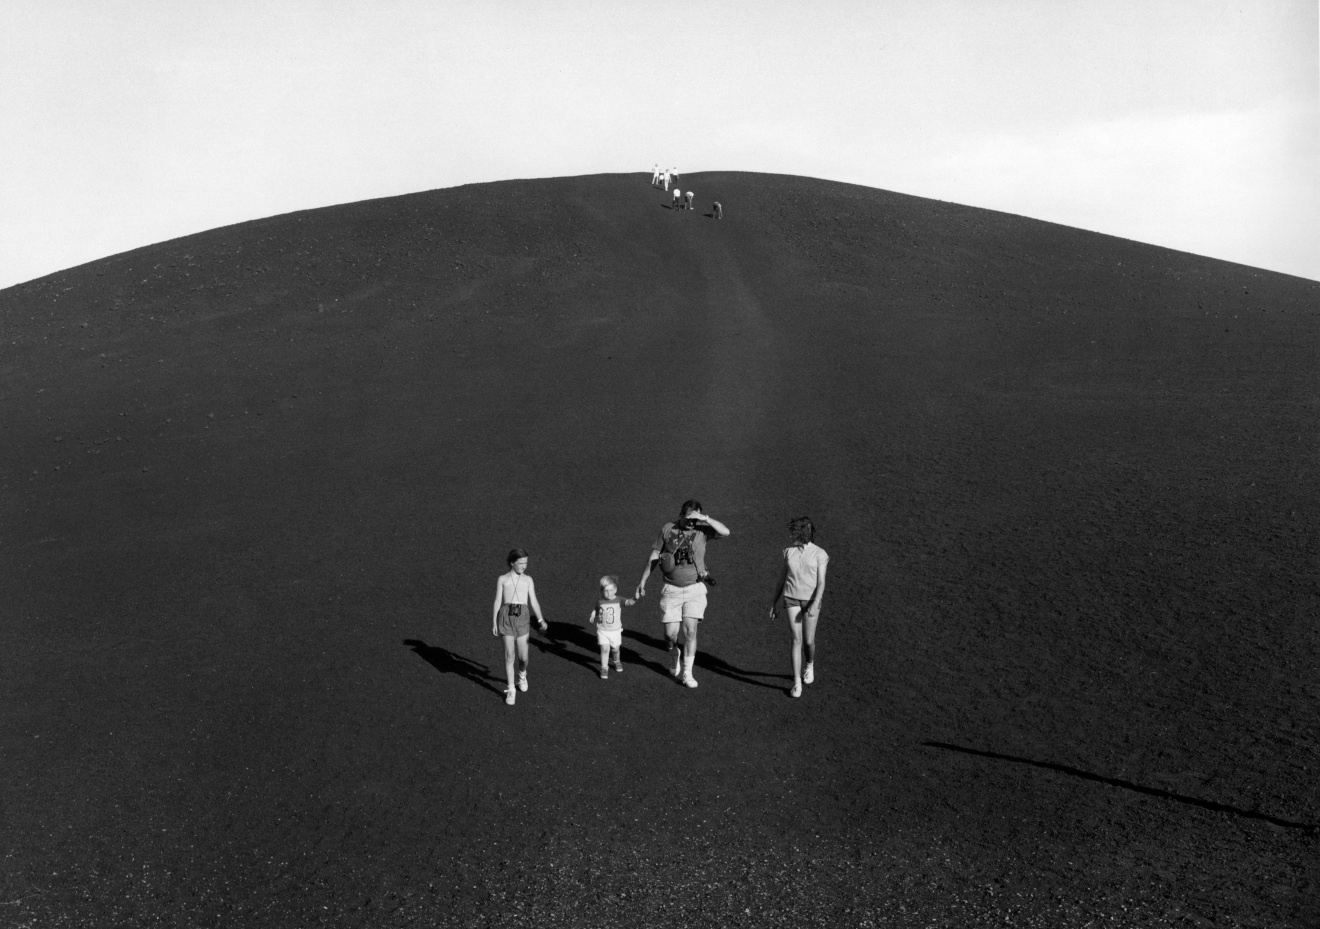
<point>640,592</point>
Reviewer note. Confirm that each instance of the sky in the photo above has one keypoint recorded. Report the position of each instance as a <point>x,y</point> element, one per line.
<point>1192,124</point>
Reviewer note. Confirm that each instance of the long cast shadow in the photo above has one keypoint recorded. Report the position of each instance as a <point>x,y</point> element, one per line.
<point>1128,785</point>
<point>561,638</point>
<point>447,662</point>
<point>706,662</point>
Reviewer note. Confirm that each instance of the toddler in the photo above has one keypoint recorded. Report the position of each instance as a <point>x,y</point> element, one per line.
<point>607,617</point>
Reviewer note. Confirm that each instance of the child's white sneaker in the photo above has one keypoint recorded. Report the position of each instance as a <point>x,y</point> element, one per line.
<point>809,675</point>
<point>510,695</point>
<point>689,680</point>
<point>522,681</point>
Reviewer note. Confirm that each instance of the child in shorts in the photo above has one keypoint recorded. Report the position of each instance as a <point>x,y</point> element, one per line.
<point>607,617</point>
<point>515,604</point>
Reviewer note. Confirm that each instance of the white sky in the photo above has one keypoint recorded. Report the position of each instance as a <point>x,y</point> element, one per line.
<point>1193,124</point>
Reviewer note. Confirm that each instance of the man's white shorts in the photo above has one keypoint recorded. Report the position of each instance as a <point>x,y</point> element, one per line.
<point>611,637</point>
<point>680,603</point>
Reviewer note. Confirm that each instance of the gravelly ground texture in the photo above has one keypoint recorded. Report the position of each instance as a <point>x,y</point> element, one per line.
<point>256,486</point>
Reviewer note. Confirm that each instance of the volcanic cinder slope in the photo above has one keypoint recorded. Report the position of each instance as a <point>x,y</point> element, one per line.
<point>257,485</point>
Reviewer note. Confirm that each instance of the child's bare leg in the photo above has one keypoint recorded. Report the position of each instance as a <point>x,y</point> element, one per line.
<point>616,659</point>
<point>809,637</point>
<point>795,623</point>
<point>604,655</point>
<point>522,653</point>
<point>508,659</point>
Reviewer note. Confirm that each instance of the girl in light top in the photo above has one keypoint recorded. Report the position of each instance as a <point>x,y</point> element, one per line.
<point>515,600</point>
<point>802,584</point>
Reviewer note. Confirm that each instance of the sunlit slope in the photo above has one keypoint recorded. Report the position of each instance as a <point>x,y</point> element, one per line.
<point>340,348</point>
<point>1068,483</point>
<point>396,363</point>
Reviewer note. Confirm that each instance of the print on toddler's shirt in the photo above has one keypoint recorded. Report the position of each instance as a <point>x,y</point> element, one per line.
<point>609,615</point>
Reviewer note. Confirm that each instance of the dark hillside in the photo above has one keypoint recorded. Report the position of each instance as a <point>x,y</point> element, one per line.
<point>256,486</point>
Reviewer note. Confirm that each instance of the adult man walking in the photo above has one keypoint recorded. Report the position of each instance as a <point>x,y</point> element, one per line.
<point>680,551</point>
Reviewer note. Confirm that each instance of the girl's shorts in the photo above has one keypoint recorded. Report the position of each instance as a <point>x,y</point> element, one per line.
<point>611,637</point>
<point>519,625</point>
<point>798,602</point>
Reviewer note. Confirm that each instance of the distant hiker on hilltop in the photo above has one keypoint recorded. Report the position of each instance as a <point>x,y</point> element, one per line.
<point>674,173</point>
<point>655,176</point>
<point>687,200</point>
<point>680,551</point>
<point>719,210</point>
<point>802,584</point>
<point>515,600</point>
<point>665,177</point>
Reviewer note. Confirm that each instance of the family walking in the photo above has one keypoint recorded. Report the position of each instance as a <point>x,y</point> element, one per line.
<point>679,551</point>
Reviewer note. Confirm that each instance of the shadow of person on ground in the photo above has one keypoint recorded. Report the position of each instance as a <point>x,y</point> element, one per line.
<point>1128,785</point>
<point>559,640</point>
<point>705,662</point>
<point>447,662</point>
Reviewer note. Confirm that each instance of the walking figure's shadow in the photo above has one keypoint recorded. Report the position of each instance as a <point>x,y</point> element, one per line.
<point>706,662</point>
<point>564,639</point>
<point>559,640</point>
<point>447,662</point>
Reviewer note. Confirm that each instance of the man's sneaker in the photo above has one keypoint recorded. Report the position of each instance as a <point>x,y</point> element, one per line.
<point>604,673</point>
<point>689,680</point>
<point>809,675</point>
<point>796,691</point>
<point>510,695</point>
<point>522,681</point>
<point>618,666</point>
<point>678,662</point>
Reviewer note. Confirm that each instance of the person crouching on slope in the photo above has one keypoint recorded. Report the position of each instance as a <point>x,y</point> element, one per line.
<point>680,551</point>
<point>515,600</point>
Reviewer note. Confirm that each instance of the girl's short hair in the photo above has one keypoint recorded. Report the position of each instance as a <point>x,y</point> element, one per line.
<point>516,554</point>
<point>690,506</point>
<point>802,529</point>
<point>609,580</point>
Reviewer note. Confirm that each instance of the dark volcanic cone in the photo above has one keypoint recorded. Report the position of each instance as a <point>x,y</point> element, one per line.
<point>258,484</point>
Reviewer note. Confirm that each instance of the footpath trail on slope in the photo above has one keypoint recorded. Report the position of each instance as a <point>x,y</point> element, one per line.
<point>260,482</point>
